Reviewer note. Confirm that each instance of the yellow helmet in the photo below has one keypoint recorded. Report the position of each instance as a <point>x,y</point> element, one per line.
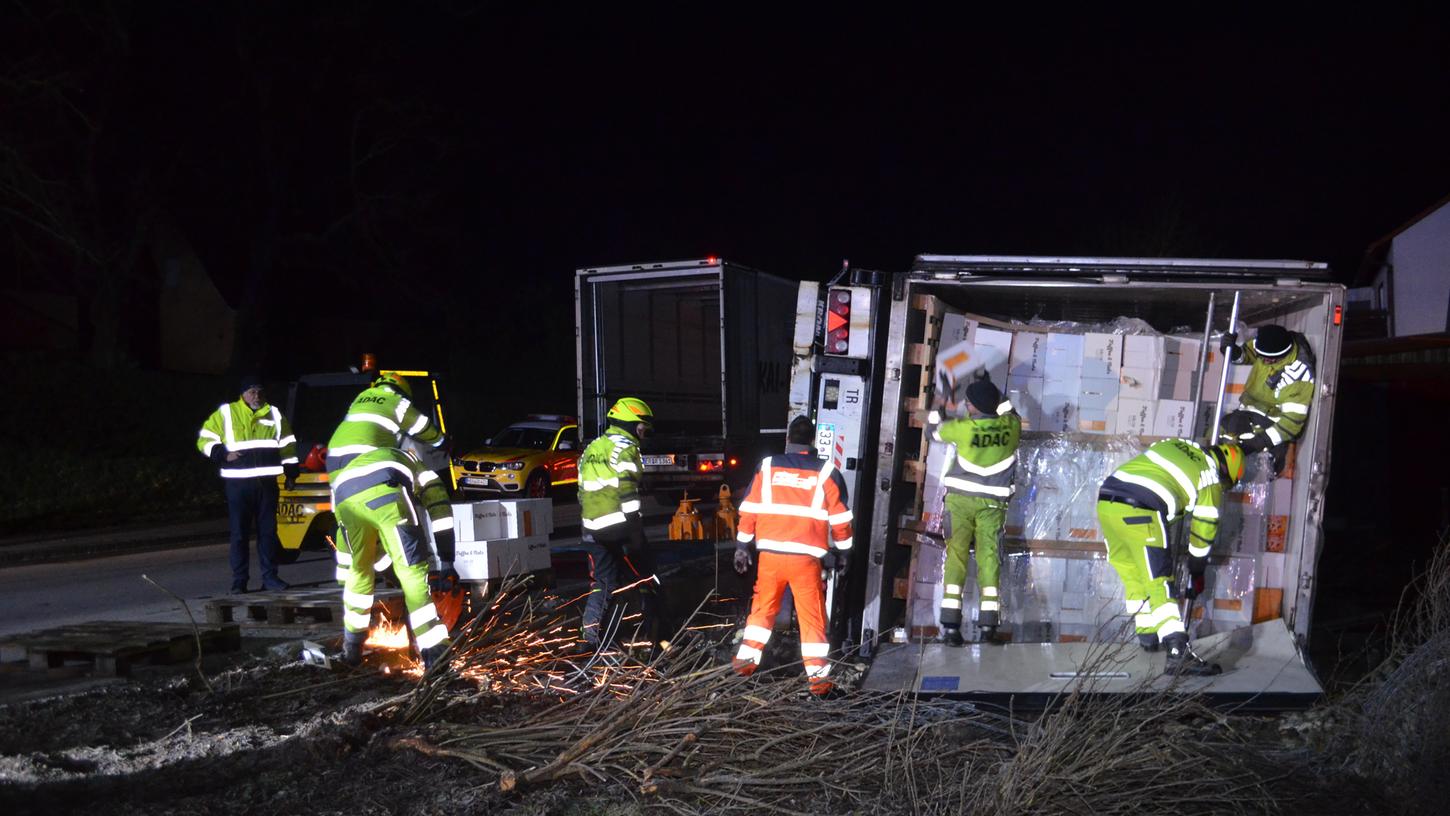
<point>631,410</point>
<point>1230,462</point>
<point>395,381</point>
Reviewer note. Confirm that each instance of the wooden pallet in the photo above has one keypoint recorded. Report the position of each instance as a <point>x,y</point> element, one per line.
<point>317,604</point>
<point>112,647</point>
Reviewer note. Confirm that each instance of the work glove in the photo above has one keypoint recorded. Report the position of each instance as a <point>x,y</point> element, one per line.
<point>219,454</point>
<point>445,579</point>
<point>1227,341</point>
<point>289,472</point>
<point>1254,442</point>
<point>444,542</point>
<point>836,560</point>
<point>742,560</point>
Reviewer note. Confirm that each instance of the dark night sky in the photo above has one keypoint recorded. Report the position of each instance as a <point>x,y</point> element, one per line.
<point>508,148</point>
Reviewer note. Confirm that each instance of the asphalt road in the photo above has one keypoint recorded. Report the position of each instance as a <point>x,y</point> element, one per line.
<point>39,596</point>
<point>43,595</point>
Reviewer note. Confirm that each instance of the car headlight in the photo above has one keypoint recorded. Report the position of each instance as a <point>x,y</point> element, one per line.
<point>509,466</point>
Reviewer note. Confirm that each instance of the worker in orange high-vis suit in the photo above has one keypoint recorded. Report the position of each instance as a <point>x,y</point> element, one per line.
<point>796,516</point>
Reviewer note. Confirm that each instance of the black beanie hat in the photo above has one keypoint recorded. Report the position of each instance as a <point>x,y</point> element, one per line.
<point>250,380</point>
<point>985,396</point>
<point>1272,341</point>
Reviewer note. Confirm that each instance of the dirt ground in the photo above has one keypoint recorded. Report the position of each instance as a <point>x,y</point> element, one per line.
<point>274,735</point>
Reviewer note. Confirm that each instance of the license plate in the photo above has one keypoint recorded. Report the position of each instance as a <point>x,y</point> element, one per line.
<point>825,440</point>
<point>473,480</point>
<point>290,512</point>
<point>659,460</point>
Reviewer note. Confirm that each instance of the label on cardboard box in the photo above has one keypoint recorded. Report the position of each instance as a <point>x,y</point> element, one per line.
<point>1029,354</point>
<point>1135,417</point>
<point>1102,355</point>
<point>477,521</point>
<point>1026,396</point>
<point>1173,418</point>
<point>1059,403</point>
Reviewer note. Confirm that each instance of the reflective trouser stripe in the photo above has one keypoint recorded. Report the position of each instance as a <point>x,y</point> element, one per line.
<point>608,520</point>
<point>432,636</point>
<point>748,653</point>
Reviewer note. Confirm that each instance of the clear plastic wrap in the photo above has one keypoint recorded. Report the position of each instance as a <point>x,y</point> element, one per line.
<point>1058,477</point>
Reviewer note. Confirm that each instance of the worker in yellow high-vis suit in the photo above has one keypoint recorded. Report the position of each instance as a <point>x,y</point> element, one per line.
<point>377,498</point>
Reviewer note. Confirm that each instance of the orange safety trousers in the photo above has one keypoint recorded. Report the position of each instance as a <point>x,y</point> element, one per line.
<point>802,573</point>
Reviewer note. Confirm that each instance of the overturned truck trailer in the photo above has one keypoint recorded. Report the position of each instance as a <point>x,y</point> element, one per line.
<point>1102,357</point>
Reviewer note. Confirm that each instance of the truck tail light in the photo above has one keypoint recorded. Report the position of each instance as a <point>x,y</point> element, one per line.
<point>838,321</point>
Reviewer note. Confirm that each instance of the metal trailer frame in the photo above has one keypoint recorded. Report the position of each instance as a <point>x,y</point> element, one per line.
<point>1072,273</point>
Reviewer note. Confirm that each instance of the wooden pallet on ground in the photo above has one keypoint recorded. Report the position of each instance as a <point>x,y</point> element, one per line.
<point>112,647</point>
<point>315,604</point>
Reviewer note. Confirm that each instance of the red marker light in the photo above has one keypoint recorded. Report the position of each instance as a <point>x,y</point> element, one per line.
<point>712,260</point>
<point>838,320</point>
<point>1338,315</point>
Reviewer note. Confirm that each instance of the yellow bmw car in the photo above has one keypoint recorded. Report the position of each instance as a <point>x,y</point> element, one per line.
<point>525,459</point>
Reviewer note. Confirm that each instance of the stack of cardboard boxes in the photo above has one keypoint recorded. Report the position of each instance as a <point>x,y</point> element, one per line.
<point>1090,401</point>
<point>502,538</point>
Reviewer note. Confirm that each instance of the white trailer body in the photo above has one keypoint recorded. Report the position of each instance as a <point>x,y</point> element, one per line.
<point>1264,658</point>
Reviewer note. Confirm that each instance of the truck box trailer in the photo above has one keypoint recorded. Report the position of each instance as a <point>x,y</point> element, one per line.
<point>707,344</point>
<point>1101,356</point>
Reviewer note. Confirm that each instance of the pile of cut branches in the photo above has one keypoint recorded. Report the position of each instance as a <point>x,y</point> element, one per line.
<point>684,734</point>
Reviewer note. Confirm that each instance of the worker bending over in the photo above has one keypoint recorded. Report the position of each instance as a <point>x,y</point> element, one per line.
<point>377,497</point>
<point>1173,478</point>
<point>381,416</point>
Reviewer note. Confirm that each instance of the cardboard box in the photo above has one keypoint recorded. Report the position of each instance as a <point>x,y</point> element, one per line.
<point>1143,351</point>
<point>1029,355</point>
<point>1138,383</point>
<point>1102,355</point>
<point>984,350</point>
<point>1098,405</point>
<point>1135,417</point>
<point>1064,351</point>
<point>1060,396</point>
<point>477,521</point>
<point>1026,396</point>
<point>1173,418</point>
<point>523,518</point>
<point>955,328</point>
<point>1180,364</point>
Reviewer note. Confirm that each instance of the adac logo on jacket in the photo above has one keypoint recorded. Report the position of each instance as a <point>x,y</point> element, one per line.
<point>786,478</point>
<point>377,400</point>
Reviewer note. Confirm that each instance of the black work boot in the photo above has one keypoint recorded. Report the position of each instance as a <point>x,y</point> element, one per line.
<point>432,655</point>
<point>952,636</point>
<point>1148,641</point>
<point>1182,661</point>
<point>352,643</point>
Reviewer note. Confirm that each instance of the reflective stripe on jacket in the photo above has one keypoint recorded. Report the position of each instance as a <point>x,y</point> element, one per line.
<point>609,473</point>
<point>379,417</point>
<point>262,439</point>
<point>1280,391</point>
<point>984,457</point>
<point>794,503</point>
<point>1174,476</point>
